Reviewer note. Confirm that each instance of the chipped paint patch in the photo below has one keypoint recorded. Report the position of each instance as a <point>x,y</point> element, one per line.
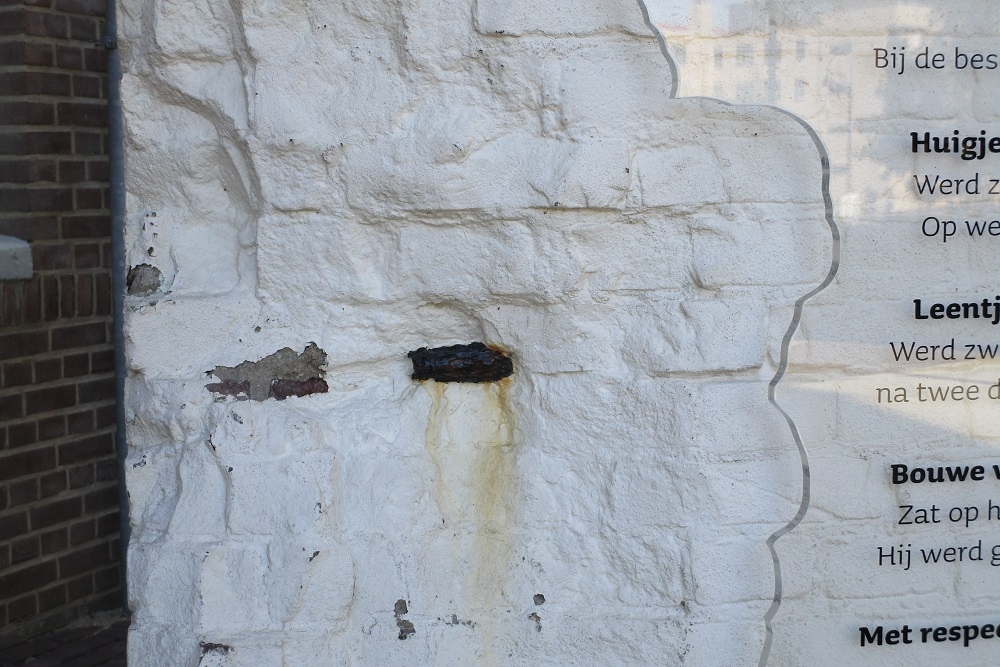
<point>143,280</point>
<point>406,627</point>
<point>280,375</point>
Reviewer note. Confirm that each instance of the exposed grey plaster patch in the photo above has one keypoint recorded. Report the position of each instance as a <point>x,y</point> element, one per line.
<point>455,620</point>
<point>280,375</point>
<point>219,649</point>
<point>143,280</point>
<point>405,627</point>
<point>537,619</point>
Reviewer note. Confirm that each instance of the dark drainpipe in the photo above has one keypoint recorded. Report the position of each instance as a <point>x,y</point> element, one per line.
<point>118,270</point>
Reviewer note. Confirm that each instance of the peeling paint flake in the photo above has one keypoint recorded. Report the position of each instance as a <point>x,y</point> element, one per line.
<point>280,375</point>
<point>406,627</point>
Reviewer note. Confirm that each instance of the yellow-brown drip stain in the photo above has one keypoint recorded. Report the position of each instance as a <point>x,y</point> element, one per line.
<point>471,439</point>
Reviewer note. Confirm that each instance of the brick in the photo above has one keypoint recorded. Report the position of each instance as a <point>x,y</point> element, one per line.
<point>89,198</point>
<point>10,303</point>
<point>32,170</point>
<point>16,374</point>
<point>75,365</point>
<point>14,143</point>
<point>69,57</point>
<point>4,561</point>
<point>67,296</point>
<point>12,83</point>
<point>102,361</point>
<point>100,500</point>
<point>50,298</point>
<point>108,578</point>
<point>84,29</point>
<point>109,524</point>
<point>80,587</point>
<point>51,484</point>
<point>51,598</point>
<point>51,427</point>
<point>105,602</point>
<point>14,200</point>
<point>12,53</point>
<point>55,512</point>
<point>22,609</point>
<point>49,143</point>
<point>50,199</point>
<point>79,335</point>
<point>22,435</point>
<point>86,86</point>
<point>12,20</point>
<point>35,143</point>
<point>31,462</point>
<point>91,7</point>
<point>27,113</point>
<point>96,390</point>
<point>24,549</point>
<point>84,295</point>
<point>86,226</point>
<point>72,171</point>
<point>103,293</point>
<point>105,416</point>
<point>11,407</point>
<point>49,399</point>
<point>82,113</point>
<point>48,83</point>
<point>82,560</point>
<point>80,422</point>
<point>107,471</point>
<point>95,60</point>
<point>11,525</point>
<point>35,83</point>
<point>98,170</point>
<point>47,370</point>
<point>51,257</point>
<point>45,25</point>
<point>40,54</point>
<point>87,143</point>
<point>35,228</point>
<point>23,344</point>
<point>82,532</point>
<point>22,492</point>
<point>54,540</point>
<point>87,255</point>
<point>27,578</point>
<point>32,308</point>
<point>81,476</point>
<point>88,448</point>
<point>11,309</point>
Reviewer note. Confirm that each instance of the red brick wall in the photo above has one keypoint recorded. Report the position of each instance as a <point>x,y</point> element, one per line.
<point>58,473</point>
